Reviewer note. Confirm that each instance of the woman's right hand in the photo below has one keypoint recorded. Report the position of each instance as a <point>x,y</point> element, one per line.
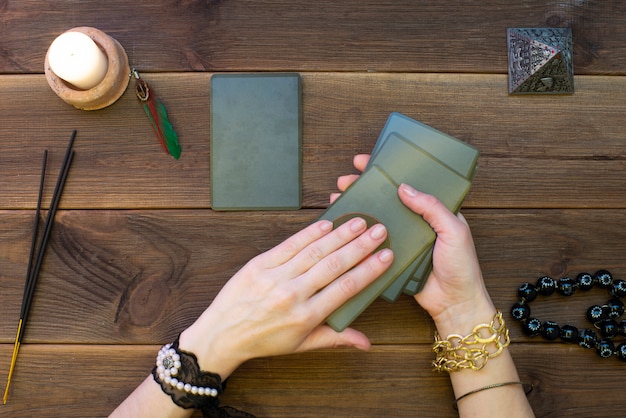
<point>454,294</point>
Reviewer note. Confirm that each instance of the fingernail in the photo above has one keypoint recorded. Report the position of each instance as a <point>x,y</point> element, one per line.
<point>408,190</point>
<point>362,347</point>
<point>385,255</point>
<point>357,224</point>
<point>378,231</point>
<point>326,225</point>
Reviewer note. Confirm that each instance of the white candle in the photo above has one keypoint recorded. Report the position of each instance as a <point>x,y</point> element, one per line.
<point>76,58</point>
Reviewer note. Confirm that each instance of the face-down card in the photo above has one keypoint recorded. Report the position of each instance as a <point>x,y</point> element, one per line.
<point>375,194</point>
<point>408,163</point>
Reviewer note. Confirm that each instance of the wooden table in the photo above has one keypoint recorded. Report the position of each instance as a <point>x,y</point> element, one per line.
<point>137,253</point>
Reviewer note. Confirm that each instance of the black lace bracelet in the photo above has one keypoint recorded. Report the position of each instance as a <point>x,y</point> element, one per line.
<point>179,375</point>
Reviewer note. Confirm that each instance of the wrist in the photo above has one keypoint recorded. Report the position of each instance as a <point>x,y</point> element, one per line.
<point>462,318</point>
<point>208,346</point>
<point>472,351</point>
<point>180,376</point>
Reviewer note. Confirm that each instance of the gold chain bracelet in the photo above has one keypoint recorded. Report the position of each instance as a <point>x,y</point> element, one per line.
<point>472,351</point>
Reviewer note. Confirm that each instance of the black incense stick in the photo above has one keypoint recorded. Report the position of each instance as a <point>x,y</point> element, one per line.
<point>29,270</point>
<point>33,244</point>
<point>36,259</point>
<point>54,204</point>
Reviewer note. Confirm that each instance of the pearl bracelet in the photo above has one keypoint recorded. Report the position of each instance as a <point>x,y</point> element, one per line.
<point>167,367</point>
<point>179,375</point>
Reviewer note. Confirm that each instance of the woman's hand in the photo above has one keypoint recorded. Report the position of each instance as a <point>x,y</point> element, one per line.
<point>454,294</point>
<point>277,302</point>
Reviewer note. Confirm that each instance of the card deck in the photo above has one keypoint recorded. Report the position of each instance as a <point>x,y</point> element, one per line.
<point>410,152</point>
<point>375,194</point>
<point>407,163</point>
<point>451,152</point>
<point>454,153</point>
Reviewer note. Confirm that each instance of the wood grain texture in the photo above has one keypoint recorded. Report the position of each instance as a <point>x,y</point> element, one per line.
<point>142,276</point>
<point>406,36</point>
<point>394,381</point>
<point>536,151</point>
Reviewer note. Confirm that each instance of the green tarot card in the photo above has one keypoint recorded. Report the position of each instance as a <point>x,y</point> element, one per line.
<point>406,163</point>
<point>420,274</point>
<point>456,154</point>
<point>395,289</point>
<point>256,136</point>
<point>375,195</point>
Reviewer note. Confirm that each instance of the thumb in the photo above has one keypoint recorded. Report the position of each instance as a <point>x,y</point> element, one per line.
<point>325,337</point>
<point>438,216</point>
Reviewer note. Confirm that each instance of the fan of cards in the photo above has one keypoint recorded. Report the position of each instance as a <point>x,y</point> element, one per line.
<point>406,151</point>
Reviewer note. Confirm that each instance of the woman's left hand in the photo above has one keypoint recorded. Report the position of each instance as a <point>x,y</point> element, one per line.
<point>277,303</point>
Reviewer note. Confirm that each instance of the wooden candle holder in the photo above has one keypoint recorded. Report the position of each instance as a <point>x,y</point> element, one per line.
<point>112,85</point>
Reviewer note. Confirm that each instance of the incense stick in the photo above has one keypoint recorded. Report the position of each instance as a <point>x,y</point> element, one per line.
<point>31,256</point>
<point>36,259</point>
<point>33,244</point>
<point>56,197</point>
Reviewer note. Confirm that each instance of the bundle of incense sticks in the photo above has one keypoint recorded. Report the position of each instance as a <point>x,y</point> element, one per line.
<point>37,252</point>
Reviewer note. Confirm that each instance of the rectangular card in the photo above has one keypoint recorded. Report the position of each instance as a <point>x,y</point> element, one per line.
<point>256,136</point>
<point>456,154</point>
<point>459,156</point>
<point>420,274</point>
<point>375,194</point>
<point>395,289</point>
<point>407,163</point>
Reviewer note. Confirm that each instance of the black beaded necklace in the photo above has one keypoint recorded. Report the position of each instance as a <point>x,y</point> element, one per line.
<point>603,317</point>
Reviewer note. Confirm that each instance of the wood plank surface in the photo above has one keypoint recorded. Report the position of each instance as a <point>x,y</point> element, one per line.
<point>564,151</point>
<point>405,36</point>
<point>137,253</point>
<point>133,276</point>
<point>394,381</point>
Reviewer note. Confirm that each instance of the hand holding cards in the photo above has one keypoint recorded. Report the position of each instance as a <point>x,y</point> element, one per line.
<point>409,152</point>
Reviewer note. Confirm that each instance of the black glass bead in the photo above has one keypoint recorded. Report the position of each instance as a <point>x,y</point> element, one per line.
<point>585,281</point>
<point>621,328</point>
<point>520,311</point>
<point>546,285</point>
<point>604,278</point>
<point>616,308</point>
<point>620,351</point>
<point>596,314</point>
<point>587,338</point>
<point>605,348</point>
<point>569,334</point>
<point>608,328</point>
<point>618,289</point>
<point>527,292</point>
<point>550,330</point>
<point>566,286</point>
<point>532,327</point>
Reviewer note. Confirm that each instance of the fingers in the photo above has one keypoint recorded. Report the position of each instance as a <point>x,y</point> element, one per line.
<point>360,161</point>
<point>293,245</point>
<point>325,337</point>
<point>352,282</point>
<point>343,182</point>
<point>329,257</point>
